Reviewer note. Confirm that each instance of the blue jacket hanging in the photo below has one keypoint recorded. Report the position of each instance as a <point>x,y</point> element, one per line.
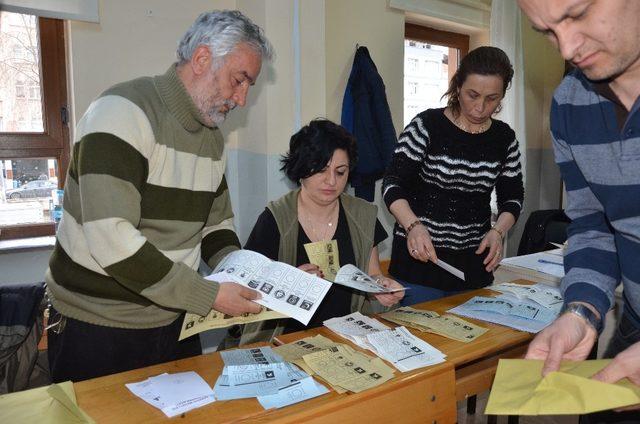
<point>366,114</point>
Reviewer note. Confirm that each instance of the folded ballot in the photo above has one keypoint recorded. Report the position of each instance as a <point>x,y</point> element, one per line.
<point>520,389</point>
<point>50,404</point>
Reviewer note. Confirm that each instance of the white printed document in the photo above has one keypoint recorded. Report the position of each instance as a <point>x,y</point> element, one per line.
<point>521,314</point>
<point>284,288</point>
<point>295,392</point>
<point>355,327</point>
<point>350,276</point>
<point>404,350</point>
<point>549,262</point>
<point>174,394</point>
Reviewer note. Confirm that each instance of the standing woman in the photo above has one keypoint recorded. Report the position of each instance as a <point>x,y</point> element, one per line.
<point>439,183</point>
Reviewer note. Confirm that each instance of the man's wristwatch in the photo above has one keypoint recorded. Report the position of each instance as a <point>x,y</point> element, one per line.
<point>584,312</point>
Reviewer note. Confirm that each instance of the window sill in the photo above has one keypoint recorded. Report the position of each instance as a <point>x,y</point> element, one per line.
<point>27,244</point>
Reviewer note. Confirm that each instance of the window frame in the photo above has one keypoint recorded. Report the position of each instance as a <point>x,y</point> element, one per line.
<point>53,142</point>
<point>452,40</point>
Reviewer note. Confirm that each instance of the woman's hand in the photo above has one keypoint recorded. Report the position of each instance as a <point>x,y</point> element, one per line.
<point>312,269</point>
<point>420,246</point>
<point>493,241</point>
<point>389,299</point>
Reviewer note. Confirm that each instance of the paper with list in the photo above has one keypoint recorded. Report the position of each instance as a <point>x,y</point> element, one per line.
<point>543,294</point>
<point>283,288</point>
<point>404,350</point>
<point>521,314</point>
<point>355,327</point>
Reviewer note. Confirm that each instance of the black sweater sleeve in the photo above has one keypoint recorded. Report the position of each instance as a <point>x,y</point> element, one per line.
<point>509,185</point>
<point>407,159</point>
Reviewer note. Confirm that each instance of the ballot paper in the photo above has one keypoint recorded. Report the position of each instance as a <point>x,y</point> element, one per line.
<point>52,404</point>
<point>254,372</point>
<point>542,294</point>
<point>297,391</point>
<point>174,394</point>
<point>348,369</point>
<point>355,327</point>
<point>549,262</point>
<point>521,314</point>
<point>254,356</point>
<point>404,350</point>
<point>451,269</point>
<point>326,256</point>
<point>294,351</point>
<point>283,288</point>
<point>520,389</point>
<point>448,326</point>
<point>194,324</point>
<point>350,276</point>
<point>245,381</point>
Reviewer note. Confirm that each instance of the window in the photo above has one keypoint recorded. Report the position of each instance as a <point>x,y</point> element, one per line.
<point>34,138</point>
<point>440,53</point>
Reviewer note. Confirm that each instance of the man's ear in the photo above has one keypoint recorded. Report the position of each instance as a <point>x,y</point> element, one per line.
<point>201,60</point>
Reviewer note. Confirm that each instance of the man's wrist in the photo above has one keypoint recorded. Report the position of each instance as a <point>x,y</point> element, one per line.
<point>585,311</point>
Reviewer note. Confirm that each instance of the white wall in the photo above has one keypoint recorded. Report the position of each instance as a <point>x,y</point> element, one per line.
<point>543,69</point>
<point>128,43</point>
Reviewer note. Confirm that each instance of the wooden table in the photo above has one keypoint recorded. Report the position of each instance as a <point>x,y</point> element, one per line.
<point>475,363</point>
<point>424,395</point>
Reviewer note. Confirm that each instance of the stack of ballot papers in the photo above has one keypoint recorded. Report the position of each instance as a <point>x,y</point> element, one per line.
<point>508,310</point>
<point>542,294</point>
<point>520,389</point>
<point>346,369</point>
<point>262,373</point>
<point>174,394</point>
<point>448,326</point>
<point>546,267</point>
<point>355,327</point>
<point>294,352</point>
<point>50,404</point>
<point>404,350</point>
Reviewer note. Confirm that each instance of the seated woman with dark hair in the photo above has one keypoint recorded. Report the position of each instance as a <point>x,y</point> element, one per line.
<point>319,159</point>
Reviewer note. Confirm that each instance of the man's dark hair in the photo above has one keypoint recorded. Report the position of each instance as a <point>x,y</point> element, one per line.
<point>311,148</point>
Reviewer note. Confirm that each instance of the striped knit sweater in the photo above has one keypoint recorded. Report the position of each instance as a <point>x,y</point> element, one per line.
<point>145,199</point>
<point>598,151</point>
<point>447,176</point>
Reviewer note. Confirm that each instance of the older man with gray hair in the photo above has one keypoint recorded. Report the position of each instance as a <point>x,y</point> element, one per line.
<point>145,200</point>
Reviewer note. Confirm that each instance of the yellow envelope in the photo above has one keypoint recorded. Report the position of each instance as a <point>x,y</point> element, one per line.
<point>50,404</point>
<point>520,389</point>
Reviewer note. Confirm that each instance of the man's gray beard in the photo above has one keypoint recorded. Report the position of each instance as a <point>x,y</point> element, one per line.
<point>218,117</point>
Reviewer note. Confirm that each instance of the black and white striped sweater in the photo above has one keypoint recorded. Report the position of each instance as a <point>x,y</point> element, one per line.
<point>447,176</point>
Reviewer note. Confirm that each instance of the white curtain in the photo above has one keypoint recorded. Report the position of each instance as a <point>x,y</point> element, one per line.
<point>506,34</point>
<point>79,10</point>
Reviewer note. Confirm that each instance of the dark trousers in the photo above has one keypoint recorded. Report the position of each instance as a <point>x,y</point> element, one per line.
<point>79,351</point>
<point>626,334</point>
